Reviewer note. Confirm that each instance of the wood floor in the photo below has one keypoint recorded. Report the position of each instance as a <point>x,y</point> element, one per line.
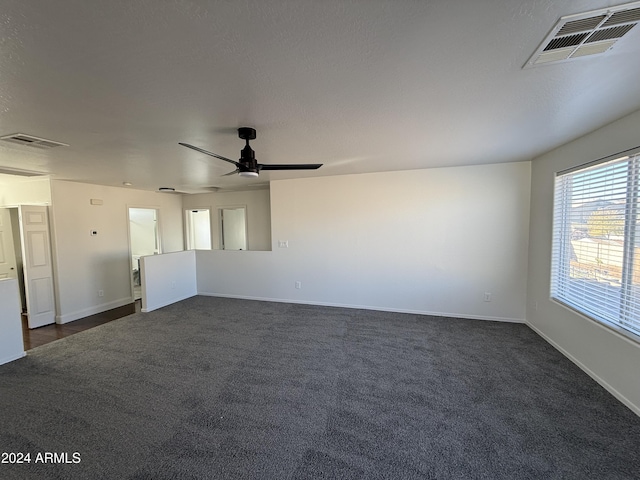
<point>49,333</point>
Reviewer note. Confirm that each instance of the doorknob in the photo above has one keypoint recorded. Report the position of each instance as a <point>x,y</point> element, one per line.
<point>11,268</point>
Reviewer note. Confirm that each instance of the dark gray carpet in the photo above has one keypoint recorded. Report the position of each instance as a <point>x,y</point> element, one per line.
<point>222,388</point>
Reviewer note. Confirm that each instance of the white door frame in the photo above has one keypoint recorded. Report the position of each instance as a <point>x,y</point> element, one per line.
<point>189,230</point>
<point>8,263</point>
<point>158,238</point>
<point>221,209</point>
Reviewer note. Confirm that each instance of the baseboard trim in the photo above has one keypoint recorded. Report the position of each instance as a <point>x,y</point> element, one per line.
<point>11,358</point>
<point>86,312</point>
<point>151,308</point>
<point>628,403</point>
<point>367,307</point>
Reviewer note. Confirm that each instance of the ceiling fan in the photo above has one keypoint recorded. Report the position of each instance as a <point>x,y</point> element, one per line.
<point>248,166</point>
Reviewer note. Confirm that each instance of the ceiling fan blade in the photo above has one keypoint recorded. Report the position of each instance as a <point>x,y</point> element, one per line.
<point>290,166</point>
<point>197,149</point>
<point>231,173</point>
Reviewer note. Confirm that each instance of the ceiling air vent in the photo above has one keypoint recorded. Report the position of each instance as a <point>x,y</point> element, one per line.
<point>583,34</point>
<point>20,172</point>
<point>31,141</point>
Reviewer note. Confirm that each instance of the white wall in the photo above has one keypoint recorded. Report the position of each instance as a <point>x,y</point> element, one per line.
<point>167,279</point>
<point>427,241</point>
<point>607,356</point>
<point>258,214</point>
<point>86,264</point>
<point>16,190</point>
<point>11,343</point>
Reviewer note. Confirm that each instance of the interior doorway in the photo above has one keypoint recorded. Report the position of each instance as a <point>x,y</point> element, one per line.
<point>198,227</point>
<point>10,249</point>
<point>25,254</point>
<point>233,228</point>
<point>144,239</point>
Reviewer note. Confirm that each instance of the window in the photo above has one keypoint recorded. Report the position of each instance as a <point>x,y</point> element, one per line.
<point>595,265</point>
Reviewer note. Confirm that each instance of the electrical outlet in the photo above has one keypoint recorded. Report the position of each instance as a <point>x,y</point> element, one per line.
<point>283,243</point>
<point>173,284</point>
<point>101,293</point>
<point>298,285</point>
<point>487,297</point>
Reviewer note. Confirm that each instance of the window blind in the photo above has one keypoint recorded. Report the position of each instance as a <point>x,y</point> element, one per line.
<point>595,265</point>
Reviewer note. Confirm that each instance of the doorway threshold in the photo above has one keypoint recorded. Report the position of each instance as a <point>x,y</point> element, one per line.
<point>50,333</point>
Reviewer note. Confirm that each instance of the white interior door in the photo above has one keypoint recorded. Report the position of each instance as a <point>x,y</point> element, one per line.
<point>38,269</point>
<point>7,251</point>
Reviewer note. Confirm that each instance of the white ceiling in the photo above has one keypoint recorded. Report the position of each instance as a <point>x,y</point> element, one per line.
<point>359,85</point>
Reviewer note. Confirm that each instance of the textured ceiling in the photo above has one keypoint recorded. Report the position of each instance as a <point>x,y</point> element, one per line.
<point>359,85</point>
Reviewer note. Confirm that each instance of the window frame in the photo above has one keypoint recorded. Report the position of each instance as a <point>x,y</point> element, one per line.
<point>561,233</point>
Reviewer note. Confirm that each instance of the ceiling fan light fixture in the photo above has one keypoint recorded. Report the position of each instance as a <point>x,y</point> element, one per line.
<point>247,166</point>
